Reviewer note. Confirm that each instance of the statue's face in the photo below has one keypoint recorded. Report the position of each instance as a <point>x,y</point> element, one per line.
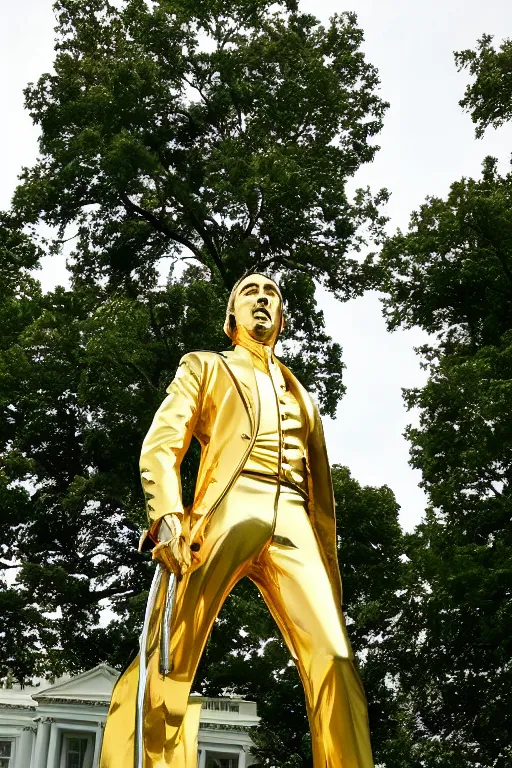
<point>257,307</point>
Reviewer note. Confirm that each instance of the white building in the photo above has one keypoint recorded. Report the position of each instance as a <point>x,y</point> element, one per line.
<point>62,726</point>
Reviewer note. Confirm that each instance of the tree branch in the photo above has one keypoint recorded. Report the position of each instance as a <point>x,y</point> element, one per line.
<point>157,329</point>
<point>198,89</point>
<point>280,260</point>
<point>164,228</point>
<point>479,233</point>
<point>253,218</point>
<point>161,226</point>
<point>142,373</point>
<point>111,592</point>
<point>210,245</point>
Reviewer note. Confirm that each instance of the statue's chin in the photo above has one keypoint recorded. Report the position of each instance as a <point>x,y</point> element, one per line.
<point>260,332</point>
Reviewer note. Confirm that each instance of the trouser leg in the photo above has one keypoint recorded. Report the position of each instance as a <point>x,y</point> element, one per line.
<point>238,531</point>
<point>295,585</point>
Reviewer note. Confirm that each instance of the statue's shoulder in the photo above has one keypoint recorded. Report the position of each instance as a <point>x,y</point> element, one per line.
<point>204,354</point>
<point>202,358</point>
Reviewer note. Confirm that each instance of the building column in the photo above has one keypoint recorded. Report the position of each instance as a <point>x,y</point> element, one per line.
<point>41,745</point>
<point>25,748</point>
<point>98,739</point>
<point>202,758</point>
<point>242,758</point>
<point>53,757</point>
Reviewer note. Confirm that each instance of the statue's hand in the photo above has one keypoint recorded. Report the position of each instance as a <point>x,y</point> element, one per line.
<point>172,551</point>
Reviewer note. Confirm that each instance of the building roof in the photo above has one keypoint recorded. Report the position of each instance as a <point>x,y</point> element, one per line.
<point>15,698</point>
<point>95,685</point>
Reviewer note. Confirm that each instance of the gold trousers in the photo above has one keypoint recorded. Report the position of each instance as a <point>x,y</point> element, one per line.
<point>261,530</point>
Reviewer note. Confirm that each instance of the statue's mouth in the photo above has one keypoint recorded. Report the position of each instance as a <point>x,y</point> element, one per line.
<point>262,312</point>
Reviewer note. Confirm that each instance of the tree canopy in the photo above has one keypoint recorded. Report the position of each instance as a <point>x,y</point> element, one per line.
<point>218,131</point>
<point>489,96</point>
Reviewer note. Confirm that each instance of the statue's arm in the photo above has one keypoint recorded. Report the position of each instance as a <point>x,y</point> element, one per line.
<point>164,447</point>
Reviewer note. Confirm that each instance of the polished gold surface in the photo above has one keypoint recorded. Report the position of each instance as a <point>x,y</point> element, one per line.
<point>263,508</point>
<point>280,425</point>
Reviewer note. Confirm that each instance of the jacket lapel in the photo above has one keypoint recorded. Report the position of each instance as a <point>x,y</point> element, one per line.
<point>239,362</point>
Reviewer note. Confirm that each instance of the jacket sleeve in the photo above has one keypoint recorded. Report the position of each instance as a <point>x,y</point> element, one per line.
<point>322,502</point>
<point>167,442</point>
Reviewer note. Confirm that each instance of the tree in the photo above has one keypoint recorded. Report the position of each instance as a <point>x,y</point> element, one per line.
<point>20,298</point>
<point>371,547</point>
<point>489,97</point>
<point>218,131</point>
<point>451,274</point>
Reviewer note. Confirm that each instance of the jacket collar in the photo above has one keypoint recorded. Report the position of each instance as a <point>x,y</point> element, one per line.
<point>260,352</point>
<point>241,365</point>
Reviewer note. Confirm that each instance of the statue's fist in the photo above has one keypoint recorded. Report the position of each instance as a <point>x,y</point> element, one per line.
<point>174,555</point>
<point>172,551</point>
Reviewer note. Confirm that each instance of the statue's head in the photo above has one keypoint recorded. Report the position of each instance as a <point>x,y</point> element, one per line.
<point>255,304</point>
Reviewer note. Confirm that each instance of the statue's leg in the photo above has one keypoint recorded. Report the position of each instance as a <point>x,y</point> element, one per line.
<point>295,584</point>
<point>237,532</point>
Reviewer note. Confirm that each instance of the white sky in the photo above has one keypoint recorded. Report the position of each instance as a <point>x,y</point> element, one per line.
<point>427,143</point>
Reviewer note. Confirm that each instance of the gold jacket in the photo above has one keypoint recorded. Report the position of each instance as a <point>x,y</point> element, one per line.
<point>214,397</point>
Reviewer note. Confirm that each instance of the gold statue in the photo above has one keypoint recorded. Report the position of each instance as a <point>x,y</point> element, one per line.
<point>263,508</point>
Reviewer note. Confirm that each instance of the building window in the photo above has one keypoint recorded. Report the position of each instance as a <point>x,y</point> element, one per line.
<point>221,705</point>
<point>6,754</point>
<point>77,751</point>
<point>221,761</point>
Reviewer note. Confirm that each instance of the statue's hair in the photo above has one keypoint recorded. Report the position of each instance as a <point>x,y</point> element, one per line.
<point>229,323</point>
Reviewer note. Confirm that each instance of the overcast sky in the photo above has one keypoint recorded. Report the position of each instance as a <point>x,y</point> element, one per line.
<point>426,144</point>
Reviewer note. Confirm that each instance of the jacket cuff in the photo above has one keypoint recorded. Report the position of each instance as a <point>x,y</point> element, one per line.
<point>149,537</point>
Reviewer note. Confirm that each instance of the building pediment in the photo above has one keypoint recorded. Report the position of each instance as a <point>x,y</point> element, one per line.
<point>95,685</point>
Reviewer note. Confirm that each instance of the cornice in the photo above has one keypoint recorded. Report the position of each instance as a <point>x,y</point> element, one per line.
<point>48,700</point>
<point>26,707</point>
<point>224,727</point>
